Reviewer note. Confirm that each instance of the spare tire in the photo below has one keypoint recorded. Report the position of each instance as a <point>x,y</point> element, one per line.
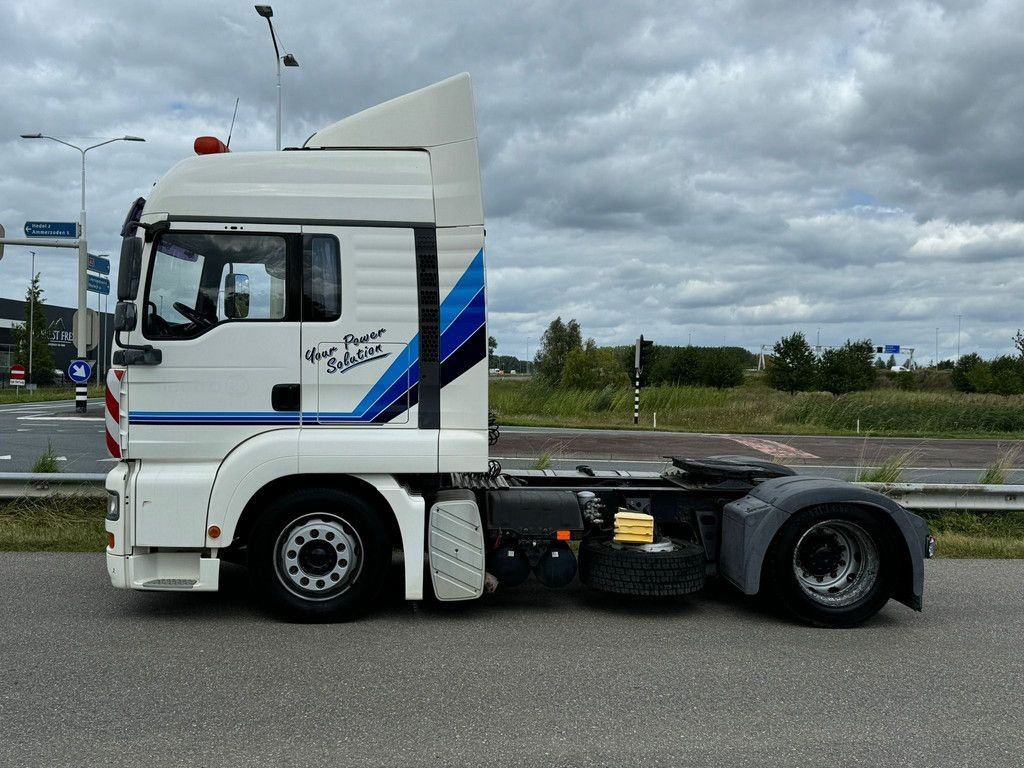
<point>670,567</point>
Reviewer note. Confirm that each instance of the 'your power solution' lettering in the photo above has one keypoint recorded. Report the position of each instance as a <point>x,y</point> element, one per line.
<point>354,350</point>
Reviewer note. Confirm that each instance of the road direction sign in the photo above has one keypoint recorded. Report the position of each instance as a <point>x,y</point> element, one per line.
<point>79,371</point>
<point>892,349</point>
<point>51,229</point>
<point>98,284</point>
<point>17,375</point>
<point>100,264</point>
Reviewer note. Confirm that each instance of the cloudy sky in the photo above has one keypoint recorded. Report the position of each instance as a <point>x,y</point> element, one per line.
<point>721,173</point>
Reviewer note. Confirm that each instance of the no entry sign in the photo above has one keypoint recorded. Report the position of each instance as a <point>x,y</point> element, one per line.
<point>17,375</point>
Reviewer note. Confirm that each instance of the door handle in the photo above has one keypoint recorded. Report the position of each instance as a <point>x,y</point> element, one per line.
<point>285,397</point>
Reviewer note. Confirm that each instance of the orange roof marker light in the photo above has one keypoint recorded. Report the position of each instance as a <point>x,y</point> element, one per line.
<point>210,145</point>
<point>213,532</point>
<point>564,535</point>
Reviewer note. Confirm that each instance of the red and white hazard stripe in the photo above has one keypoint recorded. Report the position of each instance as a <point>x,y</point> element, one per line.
<point>113,411</point>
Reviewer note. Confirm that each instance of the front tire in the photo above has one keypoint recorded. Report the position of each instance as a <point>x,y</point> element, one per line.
<point>319,555</point>
<point>830,566</point>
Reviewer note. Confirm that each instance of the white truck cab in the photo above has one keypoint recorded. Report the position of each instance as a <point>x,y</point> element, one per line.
<point>294,316</point>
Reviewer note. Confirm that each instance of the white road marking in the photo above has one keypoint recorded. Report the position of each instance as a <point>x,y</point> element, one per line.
<point>772,448</point>
<point>60,418</point>
<point>26,429</point>
<point>61,458</point>
<point>5,458</point>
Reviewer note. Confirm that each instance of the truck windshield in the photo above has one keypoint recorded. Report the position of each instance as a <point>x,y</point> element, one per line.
<point>190,273</point>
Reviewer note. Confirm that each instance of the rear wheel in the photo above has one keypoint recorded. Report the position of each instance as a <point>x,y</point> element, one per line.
<point>830,566</point>
<point>319,555</point>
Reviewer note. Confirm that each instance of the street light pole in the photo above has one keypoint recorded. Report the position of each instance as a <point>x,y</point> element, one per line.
<point>289,61</point>
<point>81,390</point>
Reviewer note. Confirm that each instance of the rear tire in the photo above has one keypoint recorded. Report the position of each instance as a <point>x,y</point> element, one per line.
<point>319,555</point>
<point>830,566</point>
<point>679,569</point>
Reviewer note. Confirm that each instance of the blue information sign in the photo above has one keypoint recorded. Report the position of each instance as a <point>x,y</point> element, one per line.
<point>98,285</point>
<point>51,229</point>
<point>79,371</point>
<point>99,264</point>
<point>892,349</point>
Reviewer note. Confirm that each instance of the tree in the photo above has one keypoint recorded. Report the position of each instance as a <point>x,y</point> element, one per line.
<point>492,345</point>
<point>35,321</point>
<point>962,370</point>
<point>591,367</point>
<point>791,367</point>
<point>850,368</point>
<point>559,340</point>
<point>719,368</point>
<point>1018,342</point>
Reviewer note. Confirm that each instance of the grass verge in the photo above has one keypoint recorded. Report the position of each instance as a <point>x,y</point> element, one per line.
<point>58,524</point>
<point>754,408</point>
<point>12,395</point>
<point>75,524</point>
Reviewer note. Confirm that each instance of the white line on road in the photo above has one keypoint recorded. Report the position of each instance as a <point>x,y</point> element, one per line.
<point>60,418</point>
<point>5,458</point>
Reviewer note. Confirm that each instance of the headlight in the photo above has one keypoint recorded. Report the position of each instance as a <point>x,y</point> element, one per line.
<point>113,506</point>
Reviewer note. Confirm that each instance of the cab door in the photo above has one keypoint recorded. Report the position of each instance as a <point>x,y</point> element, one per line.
<point>360,353</point>
<point>221,303</point>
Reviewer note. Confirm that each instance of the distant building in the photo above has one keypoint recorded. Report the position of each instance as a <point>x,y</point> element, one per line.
<point>62,342</point>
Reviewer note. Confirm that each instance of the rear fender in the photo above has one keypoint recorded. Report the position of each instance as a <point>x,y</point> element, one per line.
<point>750,525</point>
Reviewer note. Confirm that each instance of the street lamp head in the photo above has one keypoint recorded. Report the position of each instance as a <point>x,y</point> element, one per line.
<point>264,10</point>
<point>132,138</point>
<point>31,135</point>
<point>289,61</point>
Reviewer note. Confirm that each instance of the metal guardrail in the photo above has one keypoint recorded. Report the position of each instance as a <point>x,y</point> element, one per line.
<point>919,497</point>
<point>933,497</point>
<point>19,485</point>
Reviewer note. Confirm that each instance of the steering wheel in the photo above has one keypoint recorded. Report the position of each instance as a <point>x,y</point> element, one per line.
<point>192,315</point>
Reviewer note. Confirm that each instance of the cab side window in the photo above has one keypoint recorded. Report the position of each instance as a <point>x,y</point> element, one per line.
<point>321,278</point>
<point>198,281</point>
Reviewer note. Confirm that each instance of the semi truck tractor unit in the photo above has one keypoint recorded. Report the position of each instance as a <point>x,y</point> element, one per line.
<point>299,383</point>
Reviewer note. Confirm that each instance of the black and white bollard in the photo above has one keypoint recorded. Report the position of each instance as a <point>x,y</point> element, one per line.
<point>636,399</point>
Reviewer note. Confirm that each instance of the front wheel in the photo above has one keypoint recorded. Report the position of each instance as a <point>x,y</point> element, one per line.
<point>319,555</point>
<point>830,566</point>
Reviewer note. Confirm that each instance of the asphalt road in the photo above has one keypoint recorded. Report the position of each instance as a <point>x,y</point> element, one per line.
<point>95,676</point>
<point>26,431</point>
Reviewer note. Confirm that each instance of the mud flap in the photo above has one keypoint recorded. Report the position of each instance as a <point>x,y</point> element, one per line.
<point>456,546</point>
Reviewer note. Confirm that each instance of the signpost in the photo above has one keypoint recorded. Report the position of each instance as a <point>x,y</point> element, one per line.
<point>92,328</point>
<point>99,264</point>
<point>892,349</point>
<point>51,229</point>
<point>17,375</point>
<point>98,285</point>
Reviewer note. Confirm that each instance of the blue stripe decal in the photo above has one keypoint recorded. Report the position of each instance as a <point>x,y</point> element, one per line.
<point>465,290</point>
<point>463,313</point>
<point>464,326</point>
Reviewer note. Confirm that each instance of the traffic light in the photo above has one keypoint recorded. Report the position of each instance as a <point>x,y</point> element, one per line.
<point>642,352</point>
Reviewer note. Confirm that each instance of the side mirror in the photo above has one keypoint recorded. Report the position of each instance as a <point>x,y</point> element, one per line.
<point>236,296</point>
<point>125,316</point>
<point>130,268</point>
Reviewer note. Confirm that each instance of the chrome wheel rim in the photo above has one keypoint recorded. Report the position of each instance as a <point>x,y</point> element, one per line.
<point>836,563</point>
<point>318,556</point>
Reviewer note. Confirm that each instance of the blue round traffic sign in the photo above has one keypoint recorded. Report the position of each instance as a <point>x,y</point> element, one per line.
<point>79,371</point>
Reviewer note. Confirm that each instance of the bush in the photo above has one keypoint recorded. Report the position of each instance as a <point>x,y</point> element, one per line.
<point>791,367</point>
<point>849,368</point>
<point>961,371</point>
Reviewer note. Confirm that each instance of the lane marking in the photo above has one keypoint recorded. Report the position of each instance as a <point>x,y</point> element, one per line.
<point>60,418</point>
<point>772,448</point>
<point>5,458</point>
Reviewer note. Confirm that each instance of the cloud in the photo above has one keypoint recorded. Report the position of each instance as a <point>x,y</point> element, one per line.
<point>721,172</point>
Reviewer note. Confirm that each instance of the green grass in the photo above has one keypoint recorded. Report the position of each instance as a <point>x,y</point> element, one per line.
<point>59,524</point>
<point>43,394</point>
<point>754,408</point>
<point>47,462</point>
<point>976,535</point>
